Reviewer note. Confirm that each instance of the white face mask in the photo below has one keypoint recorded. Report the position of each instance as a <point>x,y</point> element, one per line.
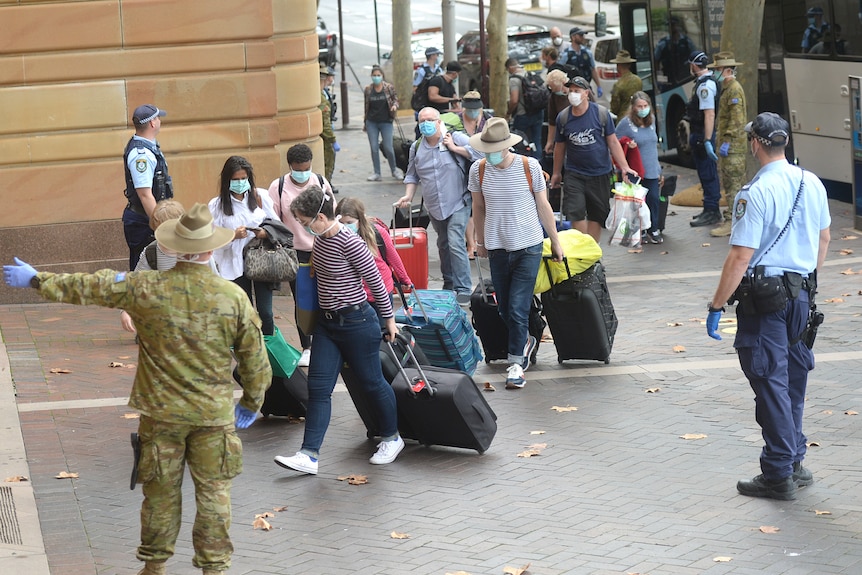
<point>558,41</point>
<point>575,99</point>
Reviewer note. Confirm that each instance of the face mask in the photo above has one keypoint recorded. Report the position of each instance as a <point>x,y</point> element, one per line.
<point>494,158</point>
<point>473,114</point>
<point>376,79</point>
<point>558,41</point>
<point>428,128</point>
<point>643,113</point>
<point>239,186</point>
<point>751,147</point>
<point>718,76</point>
<point>811,21</point>
<point>575,99</point>
<point>300,177</point>
<point>353,227</point>
<point>559,93</point>
<point>317,234</point>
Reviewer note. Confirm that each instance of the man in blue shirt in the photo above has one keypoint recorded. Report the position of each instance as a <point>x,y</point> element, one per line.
<point>780,235</point>
<point>700,111</point>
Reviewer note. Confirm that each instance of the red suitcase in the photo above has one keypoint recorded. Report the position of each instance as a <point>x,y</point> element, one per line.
<point>412,246</point>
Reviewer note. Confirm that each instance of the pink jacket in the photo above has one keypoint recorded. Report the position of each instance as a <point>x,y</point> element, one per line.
<point>394,262</point>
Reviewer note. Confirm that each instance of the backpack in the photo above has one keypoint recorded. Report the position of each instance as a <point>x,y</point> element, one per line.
<point>534,93</point>
<point>603,117</point>
<point>150,255</point>
<point>419,99</point>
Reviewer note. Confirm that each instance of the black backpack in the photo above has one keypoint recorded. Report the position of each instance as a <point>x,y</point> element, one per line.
<point>420,95</point>
<point>534,93</point>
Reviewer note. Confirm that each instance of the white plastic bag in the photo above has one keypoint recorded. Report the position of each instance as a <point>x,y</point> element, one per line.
<point>624,219</point>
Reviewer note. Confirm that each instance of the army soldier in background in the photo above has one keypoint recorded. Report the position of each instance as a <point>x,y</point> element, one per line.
<point>330,146</point>
<point>730,135</point>
<point>147,179</point>
<point>188,319</point>
<point>626,86</point>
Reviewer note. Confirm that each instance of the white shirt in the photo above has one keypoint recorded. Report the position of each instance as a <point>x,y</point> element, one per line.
<point>229,258</point>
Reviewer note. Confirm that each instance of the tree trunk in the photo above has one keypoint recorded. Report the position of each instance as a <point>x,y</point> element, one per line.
<point>740,34</point>
<point>402,57</point>
<point>497,55</point>
<point>576,7</point>
<point>534,3</point>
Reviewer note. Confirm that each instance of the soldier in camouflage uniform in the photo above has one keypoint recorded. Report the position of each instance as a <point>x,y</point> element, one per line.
<point>626,86</point>
<point>187,318</point>
<point>330,146</point>
<point>731,138</point>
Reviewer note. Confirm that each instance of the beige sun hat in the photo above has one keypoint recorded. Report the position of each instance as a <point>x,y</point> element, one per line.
<point>494,137</point>
<point>623,57</point>
<point>724,60</point>
<point>193,233</point>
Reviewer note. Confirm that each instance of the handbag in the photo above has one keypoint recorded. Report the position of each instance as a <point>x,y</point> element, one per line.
<point>267,261</point>
<point>282,356</point>
<point>307,305</point>
<point>411,217</point>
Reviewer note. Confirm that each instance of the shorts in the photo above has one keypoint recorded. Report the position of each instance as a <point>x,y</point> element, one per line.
<point>586,197</point>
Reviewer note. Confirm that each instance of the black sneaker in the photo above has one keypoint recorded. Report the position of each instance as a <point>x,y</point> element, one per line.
<point>654,238</point>
<point>709,218</point>
<point>801,476</point>
<point>760,486</point>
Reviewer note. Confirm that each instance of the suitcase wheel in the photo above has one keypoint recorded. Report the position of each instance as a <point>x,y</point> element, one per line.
<point>607,360</point>
<point>369,435</point>
<point>559,359</point>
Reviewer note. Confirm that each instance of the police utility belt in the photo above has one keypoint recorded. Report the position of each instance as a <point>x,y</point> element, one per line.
<point>759,294</point>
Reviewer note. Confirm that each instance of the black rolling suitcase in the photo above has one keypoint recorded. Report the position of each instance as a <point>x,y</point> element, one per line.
<point>439,406</point>
<point>667,190</point>
<point>390,365</point>
<point>490,327</point>
<point>286,396</point>
<point>580,314</point>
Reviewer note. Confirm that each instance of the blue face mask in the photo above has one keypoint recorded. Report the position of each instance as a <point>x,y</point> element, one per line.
<point>300,177</point>
<point>811,21</point>
<point>494,158</point>
<point>428,128</point>
<point>376,79</point>
<point>239,186</point>
<point>472,113</point>
<point>352,226</point>
<point>643,113</point>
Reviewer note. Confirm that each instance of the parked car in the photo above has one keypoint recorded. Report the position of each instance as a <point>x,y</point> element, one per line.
<point>327,44</point>
<point>419,41</point>
<point>525,44</point>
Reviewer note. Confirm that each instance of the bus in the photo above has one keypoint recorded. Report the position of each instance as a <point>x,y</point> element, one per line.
<point>808,49</point>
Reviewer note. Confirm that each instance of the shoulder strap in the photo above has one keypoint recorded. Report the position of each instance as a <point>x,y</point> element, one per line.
<point>603,117</point>
<point>280,186</point>
<point>527,172</point>
<point>319,180</point>
<point>482,163</point>
<point>789,218</point>
<point>152,257</point>
<point>378,238</point>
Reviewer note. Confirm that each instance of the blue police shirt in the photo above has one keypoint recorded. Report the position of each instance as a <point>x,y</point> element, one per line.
<point>706,95</point>
<point>142,165</point>
<point>761,210</point>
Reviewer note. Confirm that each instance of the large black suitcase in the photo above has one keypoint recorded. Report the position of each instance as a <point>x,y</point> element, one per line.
<point>390,365</point>
<point>668,189</point>
<point>580,314</point>
<point>439,406</point>
<point>492,330</point>
<point>286,396</point>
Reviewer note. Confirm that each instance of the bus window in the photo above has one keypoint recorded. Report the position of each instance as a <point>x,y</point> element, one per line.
<point>674,45</point>
<point>814,29</point>
<point>847,36</point>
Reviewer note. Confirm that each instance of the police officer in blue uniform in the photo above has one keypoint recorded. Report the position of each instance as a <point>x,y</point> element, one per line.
<point>147,180</point>
<point>779,239</point>
<point>700,111</point>
<point>579,58</point>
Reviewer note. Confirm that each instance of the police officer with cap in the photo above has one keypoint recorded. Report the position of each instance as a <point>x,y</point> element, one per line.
<point>579,58</point>
<point>779,239</point>
<point>147,179</point>
<point>815,30</point>
<point>700,112</point>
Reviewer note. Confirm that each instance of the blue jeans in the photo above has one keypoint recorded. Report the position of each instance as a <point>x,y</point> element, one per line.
<point>375,131</point>
<point>707,172</point>
<point>532,126</point>
<point>262,301</point>
<point>452,246</point>
<point>352,338</point>
<point>514,276</point>
<point>652,201</point>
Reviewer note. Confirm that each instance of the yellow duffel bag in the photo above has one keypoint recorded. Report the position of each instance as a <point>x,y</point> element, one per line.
<point>580,249</point>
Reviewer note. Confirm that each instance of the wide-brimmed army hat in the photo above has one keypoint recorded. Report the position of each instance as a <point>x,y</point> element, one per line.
<point>623,57</point>
<point>193,233</point>
<point>724,60</point>
<point>494,137</point>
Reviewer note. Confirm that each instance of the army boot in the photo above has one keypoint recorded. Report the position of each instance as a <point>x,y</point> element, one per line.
<point>153,568</point>
<point>213,572</point>
<point>723,230</point>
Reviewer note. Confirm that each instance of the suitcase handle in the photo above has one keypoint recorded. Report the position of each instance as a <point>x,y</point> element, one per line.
<point>415,293</point>
<point>546,260</point>
<point>481,280</point>
<point>409,222</point>
<point>415,388</point>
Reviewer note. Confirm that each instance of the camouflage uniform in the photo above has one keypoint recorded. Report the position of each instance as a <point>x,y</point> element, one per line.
<point>731,121</point>
<point>328,136</point>
<point>187,320</point>
<point>624,89</point>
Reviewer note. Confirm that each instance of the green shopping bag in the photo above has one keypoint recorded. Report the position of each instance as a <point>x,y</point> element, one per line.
<point>282,356</point>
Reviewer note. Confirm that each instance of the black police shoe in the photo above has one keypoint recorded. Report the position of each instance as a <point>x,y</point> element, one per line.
<point>708,218</point>
<point>760,486</point>
<point>801,476</point>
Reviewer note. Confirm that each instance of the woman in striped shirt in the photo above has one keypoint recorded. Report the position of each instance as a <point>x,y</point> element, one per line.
<point>347,329</point>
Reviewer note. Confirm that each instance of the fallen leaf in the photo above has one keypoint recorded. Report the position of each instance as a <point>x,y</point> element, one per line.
<point>636,251</point>
<point>261,523</point>
<point>66,475</point>
<point>116,364</point>
<point>130,366</point>
<point>653,390</point>
<point>264,515</point>
<point>559,409</point>
<point>664,253</point>
<point>693,436</point>
<point>125,357</point>
<point>848,272</point>
<point>827,412</point>
<point>280,509</point>
<point>834,300</point>
<point>131,416</point>
<point>515,570</point>
<point>845,252</point>
<point>705,245</point>
<point>354,479</point>
<point>769,529</point>
<point>396,535</point>
<point>851,412</point>
<point>51,319</point>
<point>674,324</point>
<point>16,479</point>
<point>60,370</point>
<point>530,453</point>
<point>818,512</point>
<point>812,444</point>
<point>547,338</point>
<point>489,387</point>
<point>679,348</point>
<point>849,237</point>
<point>538,446</point>
<point>537,433</point>
<point>722,559</point>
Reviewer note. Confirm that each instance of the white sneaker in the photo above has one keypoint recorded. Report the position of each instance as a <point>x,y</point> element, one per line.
<point>299,462</point>
<point>398,174</point>
<point>305,358</point>
<point>374,178</point>
<point>387,451</point>
<point>515,377</point>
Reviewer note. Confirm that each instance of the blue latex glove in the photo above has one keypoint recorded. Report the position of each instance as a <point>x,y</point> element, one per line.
<point>599,91</point>
<point>710,151</point>
<point>19,275</point>
<point>724,149</point>
<point>712,324</point>
<point>244,417</point>
<point>336,147</point>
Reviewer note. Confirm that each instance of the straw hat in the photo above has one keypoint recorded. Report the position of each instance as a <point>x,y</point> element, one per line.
<point>623,57</point>
<point>193,233</point>
<point>724,60</point>
<point>494,137</point>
